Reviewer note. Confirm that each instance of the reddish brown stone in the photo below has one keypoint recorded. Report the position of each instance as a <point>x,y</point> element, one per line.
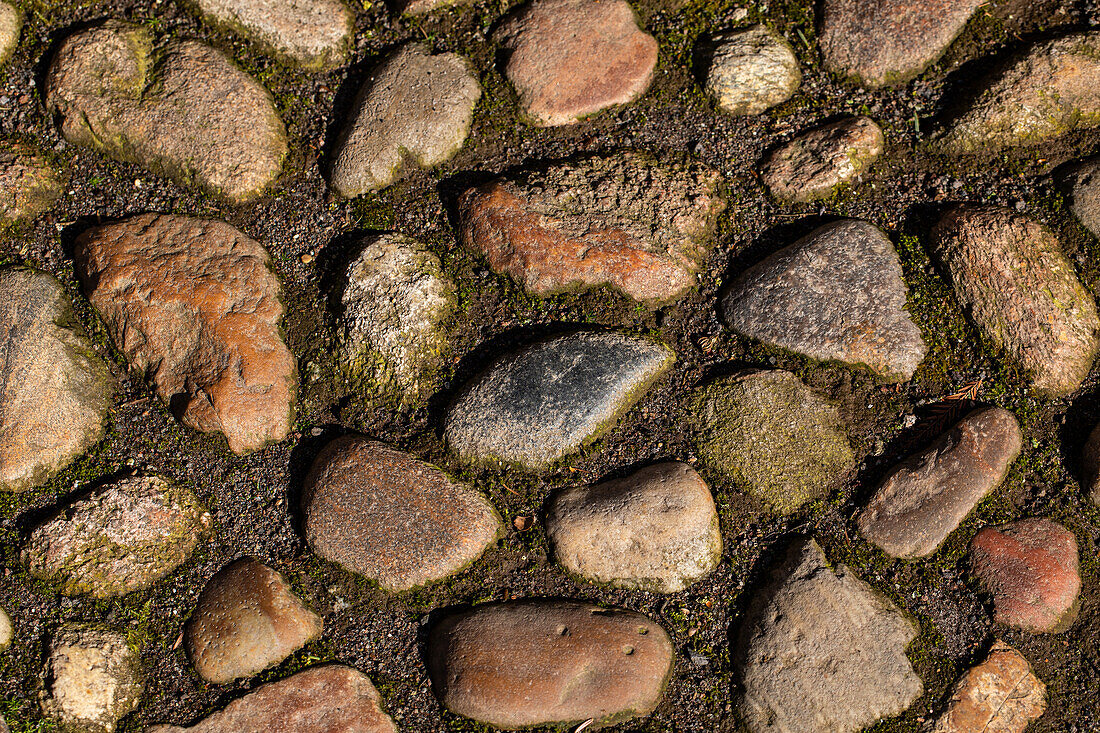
<point>1030,567</point>
<point>1000,695</point>
<point>811,166</point>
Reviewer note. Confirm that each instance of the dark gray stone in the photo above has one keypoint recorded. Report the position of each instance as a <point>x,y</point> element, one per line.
<point>1082,186</point>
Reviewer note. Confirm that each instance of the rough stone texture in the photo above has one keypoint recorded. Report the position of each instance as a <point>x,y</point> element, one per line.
<point>315,34</point>
<point>887,42</point>
<point>626,221</point>
<point>773,436</point>
<point>92,679</point>
<point>415,108</point>
<point>752,70</point>
<point>1011,276</point>
<point>1000,695</point>
<point>185,111</point>
<point>822,651</point>
<point>398,521</point>
<point>247,619</point>
<point>396,301</point>
<point>544,402</point>
<point>29,183</point>
<point>54,390</point>
<point>656,529</point>
<point>421,7</point>
<point>7,632</point>
<point>1051,89</point>
<point>812,165</point>
<point>194,306</point>
<point>324,699</point>
<point>1031,569</point>
<point>567,662</point>
<point>836,294</point>
<point>122,537</point>
<point>571,58</point>
<point>925,498</point>
<point>1082,187</point>
<point>11,23</point>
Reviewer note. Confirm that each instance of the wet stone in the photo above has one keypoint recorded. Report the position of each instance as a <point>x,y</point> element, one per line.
<point>92,679</point>
<point>628,222</point>
<point>1000,695</point>
<point>544,402</point>
<point>837,294</point>
<point>185,110</point>
<point>773,436</point>
<point>11,23</point>
<point>656,529</point>
<point>396,520</point>
<point>925,498</point>
<point>315,34</point>
<point>318,700</point>
<point>29,183</point>
<point>811,166</point>
<point>416,109</point>
<point>123,537</point>
<point>822,651</point>
<point>54,390</point>
<point>1030,567</point>
<point>567,662</point>
<point>1012,278</point>
<point>568,59</point>
<point>195,307</point>
<point>751,71</point>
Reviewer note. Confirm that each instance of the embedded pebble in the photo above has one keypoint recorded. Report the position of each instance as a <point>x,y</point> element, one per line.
<point>29,182</point>
<point>11,23</point>
<point>999,695</point>
<point>7,631</point>
<point>1082,187</point>
<point>814,164</point>
<point>751,71</point>
<point>92,679</point>
<point>315,34</point>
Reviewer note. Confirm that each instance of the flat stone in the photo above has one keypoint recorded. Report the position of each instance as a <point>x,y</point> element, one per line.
<point>1030,567</point>
<point>820,650</point>
<point>811,166</point>
<point>568,59</point>
<point>656,529</point>
<point>751,71</point>
<point>544,402</point>
<point>319,700</point>
<point>1012,278</point>
<point>11,23</point>
<point>566,663</point>
<point>1082,187</point>
<point>1049,90</point>
<point>929,494</point>
<point>185,111</point>
<point>1000,695</point>
<point>773,436</point>
<point>888,42</point>
<point>641,227</point>
<point>396,520</point>
<point>54,390</point>
<point>122,537</point>
<point>415,109</point>
<point>195,306</point>
<point>29,183</point>
<point>837,294</point>
<point>92,679</point>
<point>247,619</point>
<point>315,34</point>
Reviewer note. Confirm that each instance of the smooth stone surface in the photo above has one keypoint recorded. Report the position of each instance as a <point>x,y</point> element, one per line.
<point>545,401</point>
<point>1049,90</point>
<point>820,650</point>
<point>195,306</point>
<point>315,34</point>
<point>123,537</point>
<point>888,42</point>
<point>925,498</point>
<point>396,520</point>
<point>11,23</point>
<point>1030,567</point>
<point>566,663</point>
<point>54,390</point>
<point>837,294</point>
<point>812,165</point>
<point>773,436</point>
<point>1015,283</point>
<point>415,109</point>
<point>328,699</point>
<point>1082,187</point>
<point>641,227</point>
<point>656,529</point>
<point>568,59</point>
<point>29,182</point>
<point>185,110</point>
<point>751,71</point>
<point>999,695</point>
<point>246,620</point>
<point>92,679</point>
